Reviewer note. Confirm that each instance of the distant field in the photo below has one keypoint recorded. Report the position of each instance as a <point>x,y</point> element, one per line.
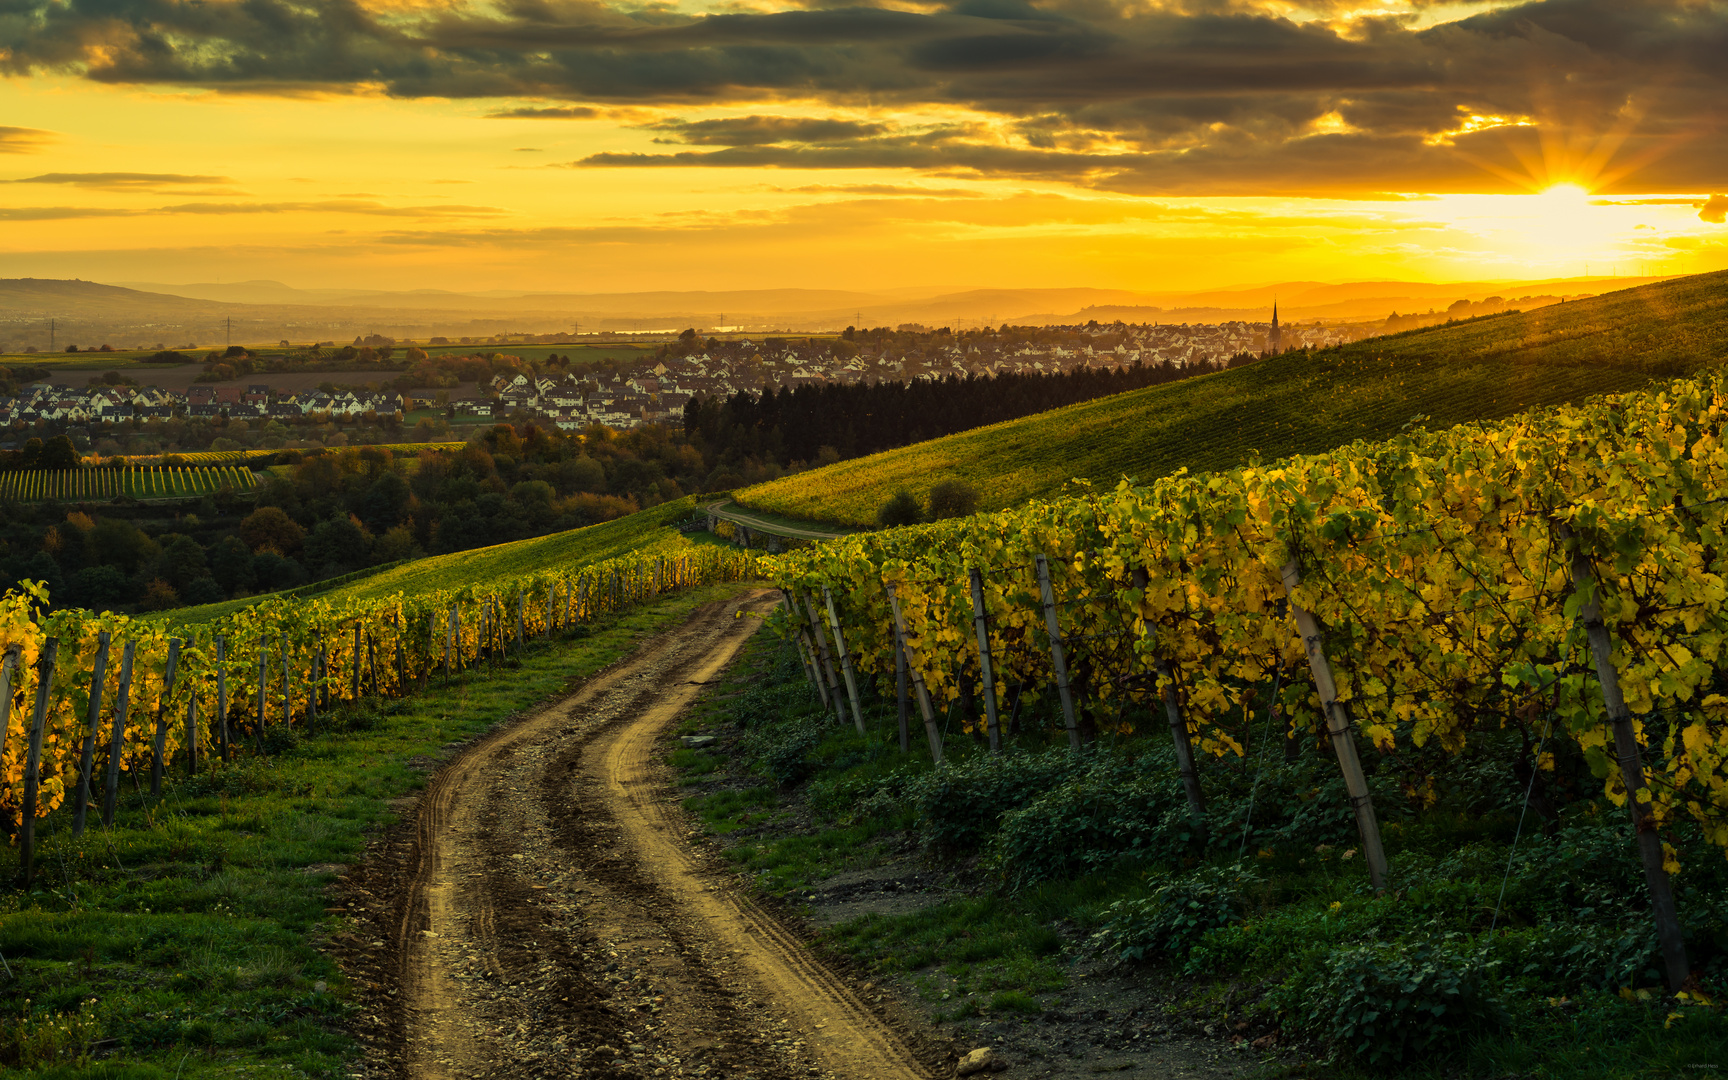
<point>1295,403</point>
<point>145,482</point>
<point>241,457</point>
<point>647,532</point>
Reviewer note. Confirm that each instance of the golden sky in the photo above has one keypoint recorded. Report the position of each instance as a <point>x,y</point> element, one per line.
<point>597,147</point>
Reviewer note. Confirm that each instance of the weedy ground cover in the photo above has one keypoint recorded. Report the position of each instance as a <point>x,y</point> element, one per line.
<point>1300,402</point>
<point>180,943</point>
<point>1508,942</point>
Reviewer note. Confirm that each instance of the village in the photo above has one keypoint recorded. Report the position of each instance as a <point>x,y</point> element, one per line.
<point>654,388</point>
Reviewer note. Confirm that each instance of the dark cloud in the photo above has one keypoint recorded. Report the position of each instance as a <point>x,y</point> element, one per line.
<point>1221,95</point>
<point>122,180</point>
<point>766,130</point>
<point>564,112</point>
<point>1714,210</point>
<point>22,140</point>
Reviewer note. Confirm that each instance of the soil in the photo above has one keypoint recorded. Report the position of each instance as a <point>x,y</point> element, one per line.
<point>543,914</point>
<point>546,909</point>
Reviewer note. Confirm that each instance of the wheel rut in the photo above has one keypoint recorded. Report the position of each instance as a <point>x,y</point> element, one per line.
<point>552,919</point>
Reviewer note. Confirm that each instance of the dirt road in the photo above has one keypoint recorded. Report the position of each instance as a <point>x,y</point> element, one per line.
<point>547,917</point>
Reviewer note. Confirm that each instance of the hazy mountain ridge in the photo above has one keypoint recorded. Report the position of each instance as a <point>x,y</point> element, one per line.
<point>89,313</point>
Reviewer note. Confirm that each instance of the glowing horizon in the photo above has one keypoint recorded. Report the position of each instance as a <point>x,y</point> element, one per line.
<point>991,143</point>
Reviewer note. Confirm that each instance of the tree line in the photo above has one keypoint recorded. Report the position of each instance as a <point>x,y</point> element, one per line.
<point>340,511</point>
<point>832,421</point>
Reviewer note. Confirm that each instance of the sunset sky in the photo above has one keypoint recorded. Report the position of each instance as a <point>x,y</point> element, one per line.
<point>600,147</point>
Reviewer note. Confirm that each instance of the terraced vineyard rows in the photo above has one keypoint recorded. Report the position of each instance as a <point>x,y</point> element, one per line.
<point>1564,569</point>
<point>137,482</point>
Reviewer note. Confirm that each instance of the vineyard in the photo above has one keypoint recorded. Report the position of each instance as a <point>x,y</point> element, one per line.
<point>1560,573</point>
<point>136,482</point>
<point>101,695</point>
<point>1296,403</point>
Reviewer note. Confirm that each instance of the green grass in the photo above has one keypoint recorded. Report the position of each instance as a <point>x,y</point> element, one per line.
<point>1295,403</point>
<point>647,531</point>
<point>191,924</point>
<point>236,457</point>
<point>801,799</point>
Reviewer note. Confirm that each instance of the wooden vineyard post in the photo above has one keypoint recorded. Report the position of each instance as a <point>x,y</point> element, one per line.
<point>1058,655</point>
<point>117,740</point>
<point>263,678</point>
<point>802,643</point>
<point>1644,827</point>
<point>827,661</point>
<point>354,672</point>
<point>450,640</point>
<point>192,733</point>
<point>981,622</point>
<point>159,746</point>
<point>222,694</point>
<point>521,630</point>
<point>901,705</point>
<point>845,660</point>
<point>401,663</point>
<point>287,701</point>
<point>1339,727</point>
<point>1178,730</point>
<point>87,752</point>
<point>372,662</point>
<point>8,667</point>
<point>33,759</point>
<point>815,667</point>
<point>316,662</point>
<point>931,731</point>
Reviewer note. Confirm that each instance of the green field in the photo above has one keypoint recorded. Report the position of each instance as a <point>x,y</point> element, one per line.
<point>1295,403</point>
<point>648,531</point>
<point>241,457</point>
<point>137,482</point>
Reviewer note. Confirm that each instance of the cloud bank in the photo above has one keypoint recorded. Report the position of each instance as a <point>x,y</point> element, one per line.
<point>1190,96</point>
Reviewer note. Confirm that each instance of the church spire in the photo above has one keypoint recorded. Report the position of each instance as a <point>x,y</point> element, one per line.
<point>1275,337</point>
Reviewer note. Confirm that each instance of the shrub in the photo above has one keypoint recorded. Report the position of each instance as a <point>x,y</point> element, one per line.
<point>952,499</point>
<point>785,753</point>
<point>902,509</point>
<point>1391,1002</point>
<point>1085,822</point>
<point>959,805</point>
<point>1176,915</point>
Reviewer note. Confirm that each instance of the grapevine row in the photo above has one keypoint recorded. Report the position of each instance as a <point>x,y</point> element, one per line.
<point>139,482</point>
<point>1562,569</point>
<point>85,697</point>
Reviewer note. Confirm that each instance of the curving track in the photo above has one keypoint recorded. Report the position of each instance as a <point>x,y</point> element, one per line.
<point>552,920</point>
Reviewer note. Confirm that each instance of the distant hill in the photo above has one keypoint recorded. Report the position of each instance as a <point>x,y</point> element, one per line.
<point>1296,403</point>
<point>27,295</point>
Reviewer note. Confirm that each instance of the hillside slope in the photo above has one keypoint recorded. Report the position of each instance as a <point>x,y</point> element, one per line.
<point>1295,403</point>
<point>645,532</point>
